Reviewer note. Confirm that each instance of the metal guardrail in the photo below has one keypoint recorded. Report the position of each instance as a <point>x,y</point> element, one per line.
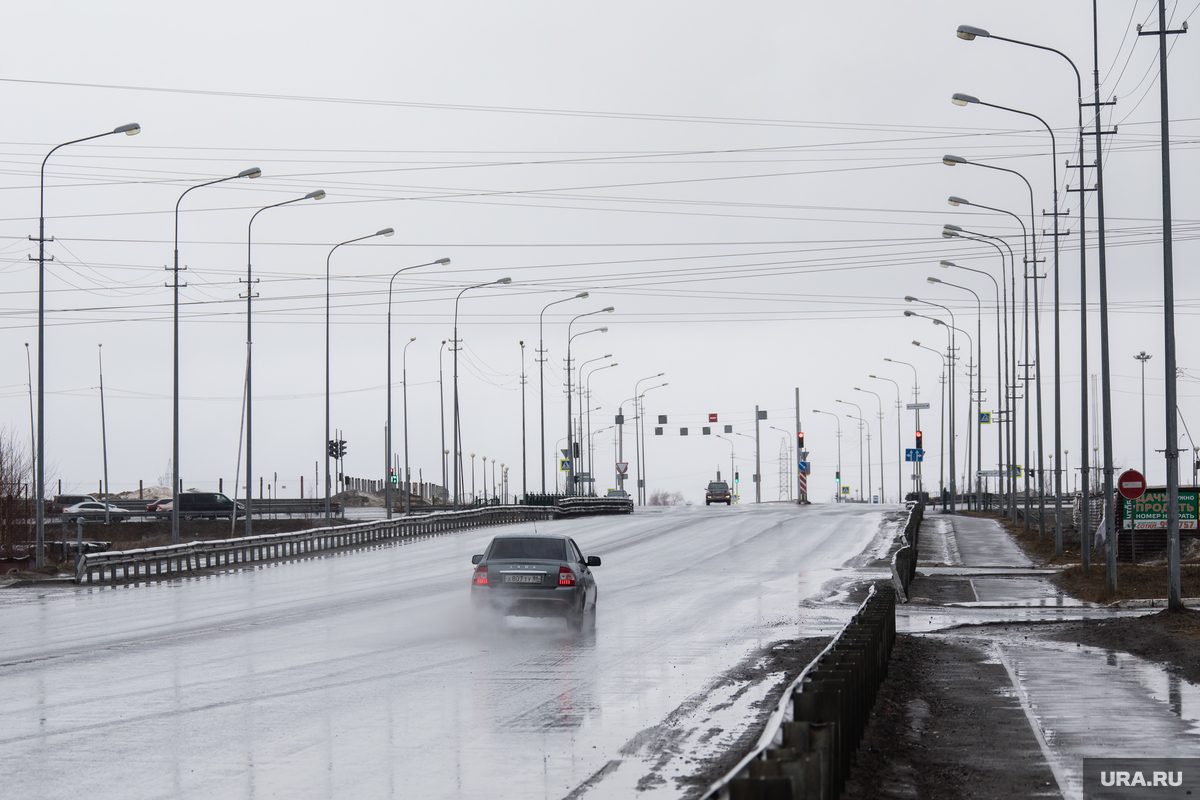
<point>904,560</point>
<point>810,737</point>
<point>180,559</point>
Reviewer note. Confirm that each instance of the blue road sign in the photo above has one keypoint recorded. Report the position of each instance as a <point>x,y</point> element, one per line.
<point>913,454</point>
<point>985,418</point>
<point>804,467</point>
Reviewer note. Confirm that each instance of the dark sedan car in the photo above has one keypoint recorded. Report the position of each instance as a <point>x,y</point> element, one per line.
<point>536,575</point>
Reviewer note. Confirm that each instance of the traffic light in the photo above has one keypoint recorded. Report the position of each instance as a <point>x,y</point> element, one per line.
<point>837,477</point>
<point>341,453</point>
<point>575,448</point>
<point>392,475</point>
<point>331,449</point>
<point>919,437</point>
<point>800,440</point>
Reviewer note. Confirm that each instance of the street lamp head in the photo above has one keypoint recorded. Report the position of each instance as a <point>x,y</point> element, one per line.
<point>933,280</point>
<point>253,172</point>
<point>960,99</point>
<point>947,226</point>
<point>947,264</point>
<point>958,201</point>
<point>580,296</point>
<point>385,232</point>
<point>969,32</point>
<point>908,298</point>
<point>937,321</point>
<point>916,343</point>
<point>604,330</point>
<point>132,129</point>
<point>413,339</point>
<point>319,194</point>
<point>504,281</point>
<point>608,310</point>
<point>442,261</point>
<point>950,161</point>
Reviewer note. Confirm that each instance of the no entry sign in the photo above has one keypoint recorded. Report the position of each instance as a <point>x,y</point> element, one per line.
<point>1131,484</point>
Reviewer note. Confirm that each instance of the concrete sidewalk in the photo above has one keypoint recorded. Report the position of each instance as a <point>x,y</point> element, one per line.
<point>976,589</point>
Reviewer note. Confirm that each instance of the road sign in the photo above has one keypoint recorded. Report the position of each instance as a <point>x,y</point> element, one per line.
<point>913,454</point>
<point>1131,484</point>
<point>917,406</point>
<point>622,467</point>
<point>566,453</point>
<point>803,485</point>
<point>803,467</point>
<point>845,490</point>
<point>985,418</point>
<point>712,417</point>
<point>564,465</point>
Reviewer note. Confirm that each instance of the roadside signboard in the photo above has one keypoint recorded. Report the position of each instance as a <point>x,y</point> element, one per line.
<point>1149,512</point>
<point>845,490</point>
<point>913,454</point>
<point>1131,484</point>
<point>917,406</point>
<point>985,418</point>
<point>564,465</point>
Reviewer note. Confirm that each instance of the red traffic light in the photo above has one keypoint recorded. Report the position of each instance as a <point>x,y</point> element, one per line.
<point>800,439</point>
<point>919,437</point>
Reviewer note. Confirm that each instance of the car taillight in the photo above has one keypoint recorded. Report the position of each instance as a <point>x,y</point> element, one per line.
<point>480,578</point>
<point>565,577</point>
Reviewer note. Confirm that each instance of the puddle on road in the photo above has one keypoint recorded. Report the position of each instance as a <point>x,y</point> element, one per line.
<point>931,619</point>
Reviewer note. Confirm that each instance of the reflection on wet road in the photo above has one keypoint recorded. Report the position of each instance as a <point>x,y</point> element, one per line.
<point>360,674</point>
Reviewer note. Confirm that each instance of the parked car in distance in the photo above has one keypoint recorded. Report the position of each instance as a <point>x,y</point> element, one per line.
<point>204,505</point>
<point>161,504</point>
<point>536,575</point>
<point>618,493</point>
<point>94,510</point>
<point>63,501</point>
<point>718,492</point>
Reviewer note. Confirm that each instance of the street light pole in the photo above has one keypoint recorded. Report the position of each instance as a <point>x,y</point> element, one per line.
<point>1143,357</point>
<point>863,487</point>
<point>899,443</point>
<point>951,352</point>
<point>963,99</point>
<point>456,422</point>
<point>942,434</point>
<point>387,445</point>
<point>969,33</point>
<point>253,172</point>
<point>524,489</point>
<point>918,483</point>
<point>319,194</point>
<point>837,497</point>
<point>39,510</point>
<point>570,438</point>
<point>951,232</point>
<point>404,383</point>
<point>542,380</point>
<point>442,413</point>
<point>979,390</point>
<point>882,483</point>
<point>328,258</point>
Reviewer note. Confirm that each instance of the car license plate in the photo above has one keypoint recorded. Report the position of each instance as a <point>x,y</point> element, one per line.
<point>522,578</point>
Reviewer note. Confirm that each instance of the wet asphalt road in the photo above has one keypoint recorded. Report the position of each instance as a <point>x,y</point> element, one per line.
<point>361,675</point>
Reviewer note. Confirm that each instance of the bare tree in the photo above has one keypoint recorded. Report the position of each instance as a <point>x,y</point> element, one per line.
<point>16,503</point>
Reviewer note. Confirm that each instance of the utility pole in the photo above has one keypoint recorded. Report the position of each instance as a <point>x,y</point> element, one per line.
<point>523,382</point>
<point>757,462</point>
<point>1174,588</point>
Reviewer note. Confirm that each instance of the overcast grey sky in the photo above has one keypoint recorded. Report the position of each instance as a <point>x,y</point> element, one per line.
<point>755,188</point>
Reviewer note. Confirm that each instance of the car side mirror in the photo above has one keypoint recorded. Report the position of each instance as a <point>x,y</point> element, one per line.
<point>476,559</point>
<point>593,561</point>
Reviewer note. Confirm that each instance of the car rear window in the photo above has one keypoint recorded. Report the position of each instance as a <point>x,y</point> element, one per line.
<point>517,548</point>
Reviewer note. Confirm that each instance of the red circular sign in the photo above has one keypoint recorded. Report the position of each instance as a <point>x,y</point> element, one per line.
<point>1131,484</point>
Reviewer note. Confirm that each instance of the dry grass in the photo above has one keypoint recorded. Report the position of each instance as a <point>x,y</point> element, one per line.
<point>1140,582</point>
